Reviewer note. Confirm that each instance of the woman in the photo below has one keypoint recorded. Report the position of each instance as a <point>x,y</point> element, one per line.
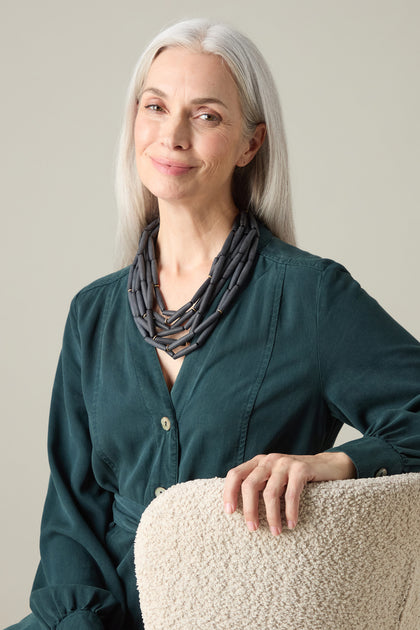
<point>221,350</point>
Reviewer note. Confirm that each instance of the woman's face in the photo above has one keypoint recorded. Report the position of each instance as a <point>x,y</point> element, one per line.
<point>189,129</point>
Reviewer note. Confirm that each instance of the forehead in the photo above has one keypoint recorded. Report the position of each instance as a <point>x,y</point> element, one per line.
<point>200,74</point>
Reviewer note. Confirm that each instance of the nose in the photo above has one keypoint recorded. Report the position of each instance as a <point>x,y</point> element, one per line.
<point>176,132</point>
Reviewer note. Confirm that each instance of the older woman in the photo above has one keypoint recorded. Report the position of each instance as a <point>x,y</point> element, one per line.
<point>221,350</point>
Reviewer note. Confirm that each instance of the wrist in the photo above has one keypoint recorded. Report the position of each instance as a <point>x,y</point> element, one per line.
<point>339,462</point>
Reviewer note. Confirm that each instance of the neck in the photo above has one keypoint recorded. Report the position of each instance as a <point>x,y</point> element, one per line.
<point>191,238</point>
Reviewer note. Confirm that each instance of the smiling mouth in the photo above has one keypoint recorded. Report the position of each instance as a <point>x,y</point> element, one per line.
<point>171,168</point>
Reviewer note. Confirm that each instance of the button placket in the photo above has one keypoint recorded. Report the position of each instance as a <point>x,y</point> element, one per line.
<point>168,424</point>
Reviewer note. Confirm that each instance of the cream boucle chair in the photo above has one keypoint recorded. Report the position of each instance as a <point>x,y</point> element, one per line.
<point>352,563</point>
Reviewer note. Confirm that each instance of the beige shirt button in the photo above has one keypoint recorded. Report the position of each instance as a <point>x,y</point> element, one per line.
<point>166,423</point>
<point>382,472</point>
<point>159,491</point>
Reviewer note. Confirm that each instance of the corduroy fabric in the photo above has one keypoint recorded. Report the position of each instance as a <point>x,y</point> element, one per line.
<point>352,563</point>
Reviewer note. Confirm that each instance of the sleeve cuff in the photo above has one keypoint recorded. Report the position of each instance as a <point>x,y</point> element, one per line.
<point>371,456</point>
<point>81,620</point>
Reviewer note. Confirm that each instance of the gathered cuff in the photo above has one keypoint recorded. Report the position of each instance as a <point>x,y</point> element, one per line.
<point>372,456</point>
<point>76,607</point>
<point>81,620</point>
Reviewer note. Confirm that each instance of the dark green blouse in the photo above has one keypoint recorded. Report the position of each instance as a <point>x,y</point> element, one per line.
<point>303,350</point>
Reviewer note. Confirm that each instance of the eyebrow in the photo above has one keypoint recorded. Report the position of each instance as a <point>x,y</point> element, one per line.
<point>196,101</point>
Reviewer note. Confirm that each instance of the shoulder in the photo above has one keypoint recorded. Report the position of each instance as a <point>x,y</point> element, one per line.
<point>94,298</point>
<point>105,282</point>
<point>276,251</point>
<point>305,277</point>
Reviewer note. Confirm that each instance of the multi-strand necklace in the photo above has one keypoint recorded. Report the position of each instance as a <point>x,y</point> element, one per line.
<point>192,322</point>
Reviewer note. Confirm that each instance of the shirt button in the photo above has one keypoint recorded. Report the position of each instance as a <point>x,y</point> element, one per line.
<point>159,491</point>
<point>166,423</point>
<point>382,472</point>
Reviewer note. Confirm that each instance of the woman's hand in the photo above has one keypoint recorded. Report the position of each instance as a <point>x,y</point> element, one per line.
<point>280,477</point>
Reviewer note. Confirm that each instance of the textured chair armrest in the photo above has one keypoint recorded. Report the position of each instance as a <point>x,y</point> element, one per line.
<point>352,563</point>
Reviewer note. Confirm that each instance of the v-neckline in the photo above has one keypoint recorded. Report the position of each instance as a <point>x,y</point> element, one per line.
<point>162,375</point>
<point>179,395</point>
<point>145,356</point>
<point>171,398</point>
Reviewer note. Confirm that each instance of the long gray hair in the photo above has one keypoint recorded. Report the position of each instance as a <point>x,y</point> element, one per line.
<point>262,186</point>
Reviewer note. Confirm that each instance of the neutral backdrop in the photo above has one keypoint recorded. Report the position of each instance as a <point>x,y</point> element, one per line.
<point>348,76</point>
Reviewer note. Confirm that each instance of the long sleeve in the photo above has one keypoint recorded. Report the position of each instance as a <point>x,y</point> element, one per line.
<point>370,374</point>
<point>76,586</point>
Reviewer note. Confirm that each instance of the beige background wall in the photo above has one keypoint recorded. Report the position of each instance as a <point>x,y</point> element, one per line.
<point>348,79</point>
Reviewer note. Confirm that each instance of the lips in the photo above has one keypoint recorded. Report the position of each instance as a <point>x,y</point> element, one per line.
<point>170,167</point>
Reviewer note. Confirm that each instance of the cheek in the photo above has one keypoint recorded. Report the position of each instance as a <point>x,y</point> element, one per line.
<point>219,150</point>
<point>143,134</point>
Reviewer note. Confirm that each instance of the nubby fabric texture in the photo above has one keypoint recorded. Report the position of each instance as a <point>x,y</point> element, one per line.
<point>352,563</point>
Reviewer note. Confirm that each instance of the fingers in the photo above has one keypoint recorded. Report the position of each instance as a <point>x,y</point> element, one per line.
<point>278,477</point>
<point>298,478</point>
<point>233,483</point>
<point>286,482</point>
<point>251,488</point>
<point>272,494</point>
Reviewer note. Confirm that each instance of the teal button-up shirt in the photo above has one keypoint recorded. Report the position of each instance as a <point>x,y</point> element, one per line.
<point>303,350</point>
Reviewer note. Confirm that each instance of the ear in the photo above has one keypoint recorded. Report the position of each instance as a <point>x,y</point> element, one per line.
<point>254,144</point>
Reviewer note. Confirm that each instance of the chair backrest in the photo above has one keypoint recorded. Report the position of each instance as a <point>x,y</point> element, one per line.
<point>352,563</point>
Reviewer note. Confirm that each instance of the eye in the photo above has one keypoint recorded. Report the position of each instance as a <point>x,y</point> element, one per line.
<point>208,117</point>
<point>154,107</point>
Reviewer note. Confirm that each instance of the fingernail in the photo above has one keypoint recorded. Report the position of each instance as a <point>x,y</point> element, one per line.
<point>251,526</point>
<point>229,508</point>
<point>275,531</point>
<point>291,524</point>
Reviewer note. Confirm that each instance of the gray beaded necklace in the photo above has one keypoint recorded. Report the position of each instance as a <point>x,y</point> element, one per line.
<point>234,262</point>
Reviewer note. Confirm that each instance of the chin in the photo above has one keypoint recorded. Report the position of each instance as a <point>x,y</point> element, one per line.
<point>168,192</point>
<point>167,195</point>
